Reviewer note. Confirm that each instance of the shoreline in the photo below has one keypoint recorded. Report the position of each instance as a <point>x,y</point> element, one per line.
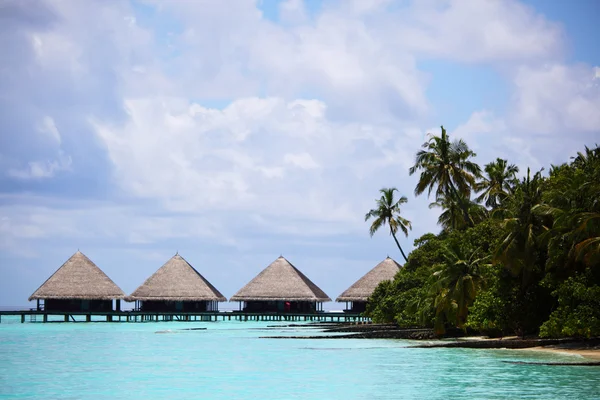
<point>587,349</point>
<point>592,354</point>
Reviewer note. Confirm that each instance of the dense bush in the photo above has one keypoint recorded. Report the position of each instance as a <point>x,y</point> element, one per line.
<point>578,311</point>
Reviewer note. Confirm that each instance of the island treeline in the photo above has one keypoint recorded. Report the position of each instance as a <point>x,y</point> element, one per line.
<point>514,256</point>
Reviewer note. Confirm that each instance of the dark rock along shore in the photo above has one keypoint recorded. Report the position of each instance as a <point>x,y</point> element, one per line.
<point>388,331</point>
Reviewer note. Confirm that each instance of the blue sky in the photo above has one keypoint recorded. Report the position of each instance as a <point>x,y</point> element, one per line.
<point>233,132</point>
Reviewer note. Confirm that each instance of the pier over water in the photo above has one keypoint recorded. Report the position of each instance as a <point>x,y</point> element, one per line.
<point>142,316</point>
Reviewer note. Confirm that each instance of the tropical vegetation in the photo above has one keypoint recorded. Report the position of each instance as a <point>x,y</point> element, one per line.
<point>514,256</point>
<point>387,213</point>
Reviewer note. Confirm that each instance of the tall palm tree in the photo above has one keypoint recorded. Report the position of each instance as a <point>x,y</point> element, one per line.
<point>388,212</point>
<point>447,166</point>
<point>498,183</point>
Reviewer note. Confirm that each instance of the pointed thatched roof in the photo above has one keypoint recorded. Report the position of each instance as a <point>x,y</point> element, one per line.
<point>78,278</point>
<point>364,287</point>
<point>177,280</point>
<point>280,281</point>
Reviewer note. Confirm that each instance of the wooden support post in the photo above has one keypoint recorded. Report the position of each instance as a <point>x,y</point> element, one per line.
<point>22,318</point>
<point>45,319</point>
<point>88,318</point>
<point>66,317</point>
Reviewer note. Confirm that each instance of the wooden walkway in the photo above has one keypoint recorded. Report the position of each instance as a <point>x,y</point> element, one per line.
<point>141,316</point>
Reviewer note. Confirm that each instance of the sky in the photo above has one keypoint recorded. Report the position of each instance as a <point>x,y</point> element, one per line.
<point>233,132</point>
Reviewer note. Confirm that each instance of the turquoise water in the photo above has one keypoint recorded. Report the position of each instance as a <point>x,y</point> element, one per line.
<point>229,360</point>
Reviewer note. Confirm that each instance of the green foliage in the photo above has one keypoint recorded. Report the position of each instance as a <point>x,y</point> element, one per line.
<point>542,233</point>
<point>521,250</point>
<point>454,285</point>
<point>572,198</point>
<point>489,312</point>
<point>393,301</point>
<point>381,307</point>
<point>407,299</point>
<point>578,311</point>
<point>397,301</point>
<point>452,217</point>
<point>506,307</point>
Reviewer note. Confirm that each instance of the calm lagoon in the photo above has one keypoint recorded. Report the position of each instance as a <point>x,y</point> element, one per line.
<point>229,360</point>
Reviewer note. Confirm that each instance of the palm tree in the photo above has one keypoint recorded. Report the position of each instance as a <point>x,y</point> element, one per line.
<point>446,165</point>
<point>452,217</point>
<point>499,182</point>
<point>388,212</point>
<point>588,158</point>
<point>524,227</point>
<point>588,250</point>
<point>455,285</point>
<point>571,200</point>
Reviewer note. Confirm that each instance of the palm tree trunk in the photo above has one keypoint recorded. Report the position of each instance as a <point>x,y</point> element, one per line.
<point>462,206</point>
<point>398,244</point>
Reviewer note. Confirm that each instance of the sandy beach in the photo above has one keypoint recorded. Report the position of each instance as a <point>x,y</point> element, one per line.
<point>592,353</point>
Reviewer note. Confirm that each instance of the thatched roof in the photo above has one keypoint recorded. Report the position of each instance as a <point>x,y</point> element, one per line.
<point>177,280</point>
<point>283,282</point>
<point>78,278</point>
<point>364,287</point>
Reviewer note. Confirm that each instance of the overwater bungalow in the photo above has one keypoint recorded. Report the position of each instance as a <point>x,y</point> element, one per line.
<point>281,287</point>
<point>358,294</point>
<point>78,285</point>
<point>176,287</point>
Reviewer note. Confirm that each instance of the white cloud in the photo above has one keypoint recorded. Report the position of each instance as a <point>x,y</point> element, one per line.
<point>362,7</point>
<point>49,168</point>
<point>42,169</point>
<point>88,222</point>
<point>49,128</point>
<point>292,11</point>
<point>322,111</point>
<point>480,123</point>
<point>477,31</point>
<point>490,137</point>
<point>557,98</point>
<point>254,155</point>
<point>301,160</point>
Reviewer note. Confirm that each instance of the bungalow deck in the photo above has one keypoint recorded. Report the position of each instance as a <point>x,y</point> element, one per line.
<point>143,316</point>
